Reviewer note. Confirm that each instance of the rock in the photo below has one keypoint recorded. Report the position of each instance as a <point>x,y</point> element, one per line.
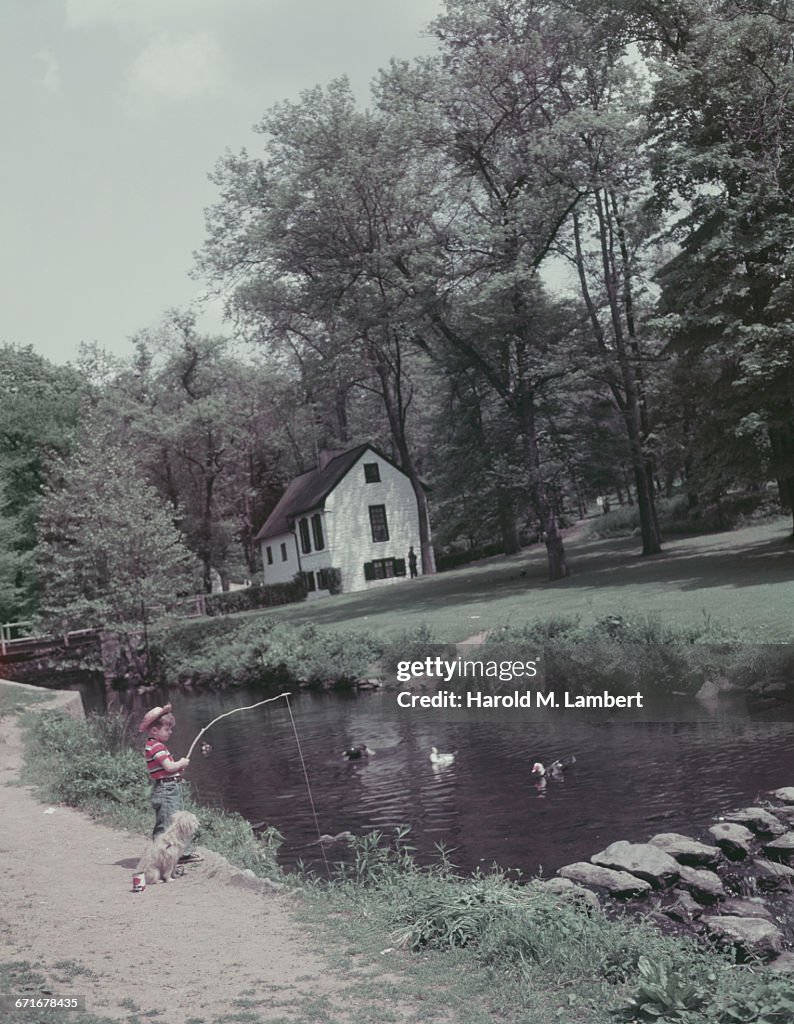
<point>616,883</point>
<point>684,907</point>
<point>784,795</point>
<point>750,936</point>
<point>781,849</point>
<point>785,813</point>
<point>705,886</point>
<point>782,963</point>
<point>686,850</point>
<point>640,859</point>
<point>770,875</point>
<point>758,820</point>
<point>735,907</point>
<point>734,840</point>
<point>570,892</point>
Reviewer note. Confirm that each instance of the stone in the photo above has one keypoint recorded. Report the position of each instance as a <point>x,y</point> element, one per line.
<point>784,795</point>
<point>704,885</point>
<point>616,883</point>
<point>783,963</point>
<point>770,875</point>
<point>758,820</point>
<point>781,849</point>
<point>752,907</point>
<point>684,907</point>
<point>640,859</point>
<point>734,840</point>
<point>785,813</point>
<point>750,936</point>
<point>570,892</point>
<point>686,850</point>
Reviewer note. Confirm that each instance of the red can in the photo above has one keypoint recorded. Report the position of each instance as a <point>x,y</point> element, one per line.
<point>138,883</point>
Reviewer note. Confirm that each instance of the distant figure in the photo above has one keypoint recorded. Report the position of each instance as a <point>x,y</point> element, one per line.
<point>412,561</point>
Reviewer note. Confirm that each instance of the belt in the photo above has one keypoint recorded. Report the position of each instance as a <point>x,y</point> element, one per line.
<point>170,778</point>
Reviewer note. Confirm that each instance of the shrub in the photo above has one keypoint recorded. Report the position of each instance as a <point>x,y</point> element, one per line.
<point>256,596</point>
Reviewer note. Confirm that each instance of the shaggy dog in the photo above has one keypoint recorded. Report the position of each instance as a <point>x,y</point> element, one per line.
<point>161,857</point>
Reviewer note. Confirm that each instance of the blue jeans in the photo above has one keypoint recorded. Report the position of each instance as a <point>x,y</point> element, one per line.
<point>166,799</point>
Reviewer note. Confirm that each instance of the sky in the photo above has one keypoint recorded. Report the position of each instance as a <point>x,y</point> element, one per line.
<point>115,113</point>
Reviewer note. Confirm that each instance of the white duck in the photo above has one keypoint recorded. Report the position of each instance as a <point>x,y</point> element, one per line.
<point>555,770</point>
<point>440,759</point>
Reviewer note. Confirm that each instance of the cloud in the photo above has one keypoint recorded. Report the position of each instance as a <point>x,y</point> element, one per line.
<point>50,79</point>
<point>140,15</point>
<point>178,68</point>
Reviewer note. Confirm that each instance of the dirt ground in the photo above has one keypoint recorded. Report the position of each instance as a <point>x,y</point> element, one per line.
<point>213,944</point>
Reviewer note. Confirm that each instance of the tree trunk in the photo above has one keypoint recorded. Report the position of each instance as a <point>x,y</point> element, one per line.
<point>507,524</point>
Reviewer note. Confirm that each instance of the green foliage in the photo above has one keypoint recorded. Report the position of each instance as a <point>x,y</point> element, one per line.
<point>85,764</point>
<point>265,652</point>
<point>256,596</point>
<point>677,519</point>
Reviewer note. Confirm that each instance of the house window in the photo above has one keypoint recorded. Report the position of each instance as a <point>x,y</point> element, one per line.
<point>317,530</point>
<point>269,555</point>
<point>308,581</point>
<point>372,472</point>
<point>306,543</point>
<point>283,552</point>
<point>377,520</point>
<point>384,568</point>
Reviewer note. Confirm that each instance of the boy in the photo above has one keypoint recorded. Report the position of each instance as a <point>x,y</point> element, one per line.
<point>165,773</point>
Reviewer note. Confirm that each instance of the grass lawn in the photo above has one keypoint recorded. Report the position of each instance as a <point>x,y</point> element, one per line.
<point>742,579</point>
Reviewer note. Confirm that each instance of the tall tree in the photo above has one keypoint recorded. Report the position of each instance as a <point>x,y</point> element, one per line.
<point>110,555</point>
<point>723,119</point>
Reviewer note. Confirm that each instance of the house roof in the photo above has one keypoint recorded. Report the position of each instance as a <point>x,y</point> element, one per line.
<point>310,489</point>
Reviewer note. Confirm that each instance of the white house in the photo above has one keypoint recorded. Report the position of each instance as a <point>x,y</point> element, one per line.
<point>347,525</point>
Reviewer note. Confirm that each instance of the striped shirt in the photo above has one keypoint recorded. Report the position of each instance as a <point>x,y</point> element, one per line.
<point>156,753</point>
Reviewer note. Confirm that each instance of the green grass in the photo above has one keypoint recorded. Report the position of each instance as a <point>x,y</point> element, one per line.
<point>743,579</point>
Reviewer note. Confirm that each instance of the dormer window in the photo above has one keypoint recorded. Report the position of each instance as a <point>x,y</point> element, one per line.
<point>372,472</point>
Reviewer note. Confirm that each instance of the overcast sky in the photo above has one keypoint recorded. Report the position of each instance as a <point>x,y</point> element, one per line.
<point>115,111</point>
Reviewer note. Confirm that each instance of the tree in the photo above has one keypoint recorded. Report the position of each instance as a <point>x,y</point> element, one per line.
<point>110,555</point>
<point>723,115</point>
<point>40,407</point>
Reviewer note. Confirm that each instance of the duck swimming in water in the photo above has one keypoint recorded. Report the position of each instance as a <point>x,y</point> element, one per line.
<point>440,759</point>
<point>555,770</point>
<point>356,753</point>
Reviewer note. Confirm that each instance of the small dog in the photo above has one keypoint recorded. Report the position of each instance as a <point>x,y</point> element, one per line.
<point>161,857</point>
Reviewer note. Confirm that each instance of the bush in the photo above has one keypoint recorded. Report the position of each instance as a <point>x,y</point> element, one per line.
<point>269,653</point>
<point>256,596</point>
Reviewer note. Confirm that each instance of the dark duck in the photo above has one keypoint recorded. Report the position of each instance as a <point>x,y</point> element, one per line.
<point>356,753</point>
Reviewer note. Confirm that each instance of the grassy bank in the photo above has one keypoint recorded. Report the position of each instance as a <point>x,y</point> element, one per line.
<point>743,579</point>
<point>468,949</point>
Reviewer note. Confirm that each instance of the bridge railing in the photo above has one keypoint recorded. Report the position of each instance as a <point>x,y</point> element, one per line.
<point>10,631</point>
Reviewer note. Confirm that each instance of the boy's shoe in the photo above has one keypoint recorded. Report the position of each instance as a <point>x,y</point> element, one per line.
<point>190,858</point>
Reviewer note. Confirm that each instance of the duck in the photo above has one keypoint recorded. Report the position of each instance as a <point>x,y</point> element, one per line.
<point>440,759</point>
<point>356,753</point>
<point>556,769</point>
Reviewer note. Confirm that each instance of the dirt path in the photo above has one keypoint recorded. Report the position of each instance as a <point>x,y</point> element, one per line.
<point>213,944</point>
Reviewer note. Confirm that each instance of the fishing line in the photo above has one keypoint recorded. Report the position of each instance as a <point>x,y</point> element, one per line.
<point>308,787</point>
<point>259,704</point>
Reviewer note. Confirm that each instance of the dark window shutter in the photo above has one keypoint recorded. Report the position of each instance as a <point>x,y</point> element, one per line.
<point>399,567</point>
<point>369,571</point>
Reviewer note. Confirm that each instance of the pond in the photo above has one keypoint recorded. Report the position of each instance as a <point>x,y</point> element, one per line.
<point>636,773</point>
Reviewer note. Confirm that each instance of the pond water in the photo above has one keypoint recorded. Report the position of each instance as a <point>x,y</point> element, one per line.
<point>636,773</point>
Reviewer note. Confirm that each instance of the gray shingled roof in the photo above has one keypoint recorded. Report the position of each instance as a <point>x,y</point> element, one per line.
<point>309,491</point>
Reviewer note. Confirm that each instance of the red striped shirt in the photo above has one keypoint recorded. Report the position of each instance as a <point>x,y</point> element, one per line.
<point>156,753</point>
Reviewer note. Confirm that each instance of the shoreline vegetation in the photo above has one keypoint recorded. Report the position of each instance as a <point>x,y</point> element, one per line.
<point>488,937</point>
